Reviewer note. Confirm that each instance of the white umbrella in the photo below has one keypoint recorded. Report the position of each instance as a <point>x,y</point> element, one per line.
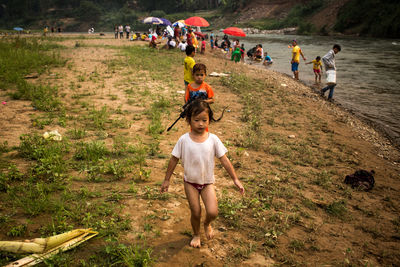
<point>152,20</point>
<point>179,23</point>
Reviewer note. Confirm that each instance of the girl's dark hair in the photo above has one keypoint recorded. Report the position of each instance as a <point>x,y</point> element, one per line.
<point>198,67</point>
<point>198,106</point>
<point>318,58</point>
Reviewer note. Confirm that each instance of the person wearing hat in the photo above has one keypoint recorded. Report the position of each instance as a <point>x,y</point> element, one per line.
<point>296,52</point>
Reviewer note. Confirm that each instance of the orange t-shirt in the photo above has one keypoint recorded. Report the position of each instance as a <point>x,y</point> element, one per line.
<point>204,88</point>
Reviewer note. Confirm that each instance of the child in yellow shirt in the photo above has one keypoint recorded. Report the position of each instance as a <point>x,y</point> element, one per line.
<point>317,68</point>
<point>188,65</point>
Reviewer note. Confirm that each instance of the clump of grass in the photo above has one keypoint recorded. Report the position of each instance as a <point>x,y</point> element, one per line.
<point>4,148</point>
<point>296,245</point>
<point>337,209</point>
<point>118,254</point>
<point>323,179</point>
<point>77,133</point>
<point>49,164</point>
<point>9,176</point>
<point>229,210</point>
<point>33,199</point>
<point>99,117</point>
<point>91,152</point>
<point>18,230</point>
<point>156,110</point>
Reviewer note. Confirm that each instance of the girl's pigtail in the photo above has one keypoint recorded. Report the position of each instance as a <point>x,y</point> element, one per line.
<point>223,111</point>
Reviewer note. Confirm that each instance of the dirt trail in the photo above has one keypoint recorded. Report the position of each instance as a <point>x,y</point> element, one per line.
<point>297,228</point>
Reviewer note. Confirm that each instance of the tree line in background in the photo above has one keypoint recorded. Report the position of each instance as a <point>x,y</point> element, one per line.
<point>92,9</point>
<point>370,17</point>
<point>100,13</point>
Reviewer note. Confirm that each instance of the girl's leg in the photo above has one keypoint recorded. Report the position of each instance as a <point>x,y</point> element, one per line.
<point>210,202</point>
<point>193,197</point>
<point>319,77</point>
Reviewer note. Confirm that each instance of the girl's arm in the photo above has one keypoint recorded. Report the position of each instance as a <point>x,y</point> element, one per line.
<point>231,171</point>
<point>171,167</point>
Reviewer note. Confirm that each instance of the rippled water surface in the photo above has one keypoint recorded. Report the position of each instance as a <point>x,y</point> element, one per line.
<point>368,72</point>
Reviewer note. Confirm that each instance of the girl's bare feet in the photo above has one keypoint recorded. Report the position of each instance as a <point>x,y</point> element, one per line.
<point>209,231</point>
<point>195,241</point>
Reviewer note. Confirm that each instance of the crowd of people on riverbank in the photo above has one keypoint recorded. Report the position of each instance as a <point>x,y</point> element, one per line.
<point>181,38</point>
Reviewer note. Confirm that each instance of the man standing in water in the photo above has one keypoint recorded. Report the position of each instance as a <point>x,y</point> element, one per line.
<point>330,70</point>
<point>296,52</point>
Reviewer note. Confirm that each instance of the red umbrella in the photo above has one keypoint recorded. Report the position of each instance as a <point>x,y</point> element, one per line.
<point>197,21</point>
<point>234,31</point>
<point>200,34</point>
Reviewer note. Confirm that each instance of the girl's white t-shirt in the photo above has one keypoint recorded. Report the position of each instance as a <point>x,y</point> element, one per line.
<point>198,158</point>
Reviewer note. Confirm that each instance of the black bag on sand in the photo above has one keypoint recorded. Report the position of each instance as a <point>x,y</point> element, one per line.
<point>361,179</point>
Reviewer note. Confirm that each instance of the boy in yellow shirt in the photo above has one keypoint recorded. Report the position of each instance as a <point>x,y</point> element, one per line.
<point>317,68</point>
<point>296,52</point>
<point>188,65</point>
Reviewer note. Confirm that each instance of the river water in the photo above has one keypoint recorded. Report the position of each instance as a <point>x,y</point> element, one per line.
<point>368,73</point>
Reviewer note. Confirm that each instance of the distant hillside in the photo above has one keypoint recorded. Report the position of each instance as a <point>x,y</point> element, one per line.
<point>360,17</point>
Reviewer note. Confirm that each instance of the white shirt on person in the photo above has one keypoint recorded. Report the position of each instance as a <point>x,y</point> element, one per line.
<point>182,46</point>
<point>172,43</point>
<point>198,158</point>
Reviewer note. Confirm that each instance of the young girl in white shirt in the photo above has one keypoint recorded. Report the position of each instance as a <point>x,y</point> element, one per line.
<point>197,150</point>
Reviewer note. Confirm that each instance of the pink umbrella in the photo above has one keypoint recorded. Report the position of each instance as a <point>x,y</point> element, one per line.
<point>197,21</point>
<point>234,31</point>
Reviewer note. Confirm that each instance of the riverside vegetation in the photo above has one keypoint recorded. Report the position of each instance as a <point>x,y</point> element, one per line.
<point>112,101</point>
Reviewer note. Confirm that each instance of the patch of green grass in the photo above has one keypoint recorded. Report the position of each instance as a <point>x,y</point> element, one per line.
<point>118,254</point>
<point>323,179</point>
<point>49,164</point>
<point>33,199</point>
<point>153,193</point>
<point>296,245</point>
<point>29,55</point>
<point>143,58</point>
<point>8,176</point>
<point>92,151</point>
<point>76,133</point>
<point>229,210</point>
<point>337,209</point>
<point>99,117</point>
<point>18,230</point>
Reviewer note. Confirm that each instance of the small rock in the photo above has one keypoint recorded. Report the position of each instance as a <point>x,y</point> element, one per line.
<point>292,136</point>
<point>222,229</point>
<point>246,154</point>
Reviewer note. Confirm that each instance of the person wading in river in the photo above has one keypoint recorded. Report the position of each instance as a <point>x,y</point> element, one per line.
<point>330,70</point>
<point>296,52</point>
